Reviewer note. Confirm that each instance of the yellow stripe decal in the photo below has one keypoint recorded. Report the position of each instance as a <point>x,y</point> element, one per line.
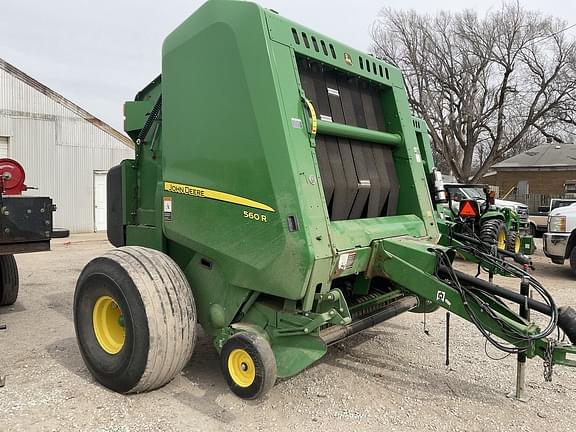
<point>199,192</point>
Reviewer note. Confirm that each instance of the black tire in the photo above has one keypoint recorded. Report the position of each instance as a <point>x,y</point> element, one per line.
<point>573,260</point>
<point>157,340</point>
<point>261,373</point>
<point>492,230</point>
<point>60,233</point>
<point>532,230</point>
<point>513,242</point>
<point>9,281</point>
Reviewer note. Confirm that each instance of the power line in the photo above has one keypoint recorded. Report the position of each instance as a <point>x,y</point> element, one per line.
<point>557,33</point>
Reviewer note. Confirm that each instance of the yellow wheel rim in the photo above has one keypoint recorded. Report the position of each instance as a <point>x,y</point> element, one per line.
<point>502,240</point>
<point>517,245</point>
<point>108,323</point>
<point>241,368</point>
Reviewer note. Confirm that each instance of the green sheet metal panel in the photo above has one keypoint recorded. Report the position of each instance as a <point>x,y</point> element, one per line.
<point>225,131</point>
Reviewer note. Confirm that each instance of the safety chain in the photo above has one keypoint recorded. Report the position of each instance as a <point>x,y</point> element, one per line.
<point>549,359</point>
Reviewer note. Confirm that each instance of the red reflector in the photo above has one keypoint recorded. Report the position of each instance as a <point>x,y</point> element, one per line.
<point>468,209</point>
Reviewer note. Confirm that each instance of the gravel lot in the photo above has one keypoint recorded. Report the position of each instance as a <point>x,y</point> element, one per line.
<point>391,377</point>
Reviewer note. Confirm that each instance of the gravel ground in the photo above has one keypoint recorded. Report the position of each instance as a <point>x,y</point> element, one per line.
<point>391,377</point>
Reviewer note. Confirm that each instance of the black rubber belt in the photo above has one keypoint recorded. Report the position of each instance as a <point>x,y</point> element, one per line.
<point>347,95</point>
<point>343,162</point>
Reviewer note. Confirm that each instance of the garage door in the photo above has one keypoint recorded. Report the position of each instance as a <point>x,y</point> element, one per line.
<point>3,147</point>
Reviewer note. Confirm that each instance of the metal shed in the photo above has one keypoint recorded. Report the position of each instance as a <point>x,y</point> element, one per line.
<point>65,150</point>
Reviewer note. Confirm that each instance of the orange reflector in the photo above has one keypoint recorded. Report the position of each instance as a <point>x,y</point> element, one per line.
<point>468,208</point>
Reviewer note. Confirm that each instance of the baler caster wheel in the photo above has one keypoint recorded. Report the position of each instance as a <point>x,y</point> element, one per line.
<point>248,364</point>
<point>130,341</point>
<point>9,282</point>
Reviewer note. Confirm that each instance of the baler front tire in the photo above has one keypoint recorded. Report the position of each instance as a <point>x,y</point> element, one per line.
<point>135,319</point>
<point>493,232</point>
<point>9,280</point>
<point>249,365</point>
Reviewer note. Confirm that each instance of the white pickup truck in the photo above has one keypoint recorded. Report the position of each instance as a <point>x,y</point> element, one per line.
<point>539,219</point>
<point>560,240</point>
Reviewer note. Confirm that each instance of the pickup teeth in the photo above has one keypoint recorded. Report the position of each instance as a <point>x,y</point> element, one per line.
<point>355,305</point>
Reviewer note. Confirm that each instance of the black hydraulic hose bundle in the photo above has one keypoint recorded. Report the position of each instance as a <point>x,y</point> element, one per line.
<point>467,287</point>
<point>491,288</point>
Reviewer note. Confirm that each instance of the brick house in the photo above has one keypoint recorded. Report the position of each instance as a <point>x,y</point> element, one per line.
<point>545,168</point>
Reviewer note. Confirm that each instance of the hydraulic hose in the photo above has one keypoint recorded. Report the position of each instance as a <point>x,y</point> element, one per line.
<point>497,290</point>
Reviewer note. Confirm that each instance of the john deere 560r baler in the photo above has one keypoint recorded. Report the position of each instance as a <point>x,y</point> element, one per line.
<point>280,197</point>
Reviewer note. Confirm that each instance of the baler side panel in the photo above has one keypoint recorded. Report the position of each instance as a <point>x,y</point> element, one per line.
<point>231,141</point>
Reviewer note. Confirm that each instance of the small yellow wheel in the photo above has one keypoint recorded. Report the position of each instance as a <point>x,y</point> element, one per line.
<point>108,324</point>
<point>241,368</point>
<point>248,364</point>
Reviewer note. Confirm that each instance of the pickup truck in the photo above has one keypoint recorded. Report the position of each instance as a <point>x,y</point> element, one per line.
<point>560,240</point>
<point>539,220</point>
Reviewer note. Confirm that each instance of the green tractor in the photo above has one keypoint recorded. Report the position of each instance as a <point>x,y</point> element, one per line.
<point>500,223</point>
<point>279,197</point>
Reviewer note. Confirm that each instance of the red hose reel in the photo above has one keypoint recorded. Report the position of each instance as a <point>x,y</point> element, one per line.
<point>12,177</point>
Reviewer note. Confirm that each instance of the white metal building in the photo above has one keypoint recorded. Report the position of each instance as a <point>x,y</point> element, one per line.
<point>65,151</point>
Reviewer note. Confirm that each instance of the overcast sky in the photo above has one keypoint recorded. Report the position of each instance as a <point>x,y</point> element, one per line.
<point>100,53</point>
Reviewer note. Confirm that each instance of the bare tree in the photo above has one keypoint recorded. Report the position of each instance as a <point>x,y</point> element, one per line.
<point>487,87</point>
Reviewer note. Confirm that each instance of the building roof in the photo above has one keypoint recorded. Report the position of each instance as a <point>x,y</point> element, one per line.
<point>58,98</point>
<point>543,156</point>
